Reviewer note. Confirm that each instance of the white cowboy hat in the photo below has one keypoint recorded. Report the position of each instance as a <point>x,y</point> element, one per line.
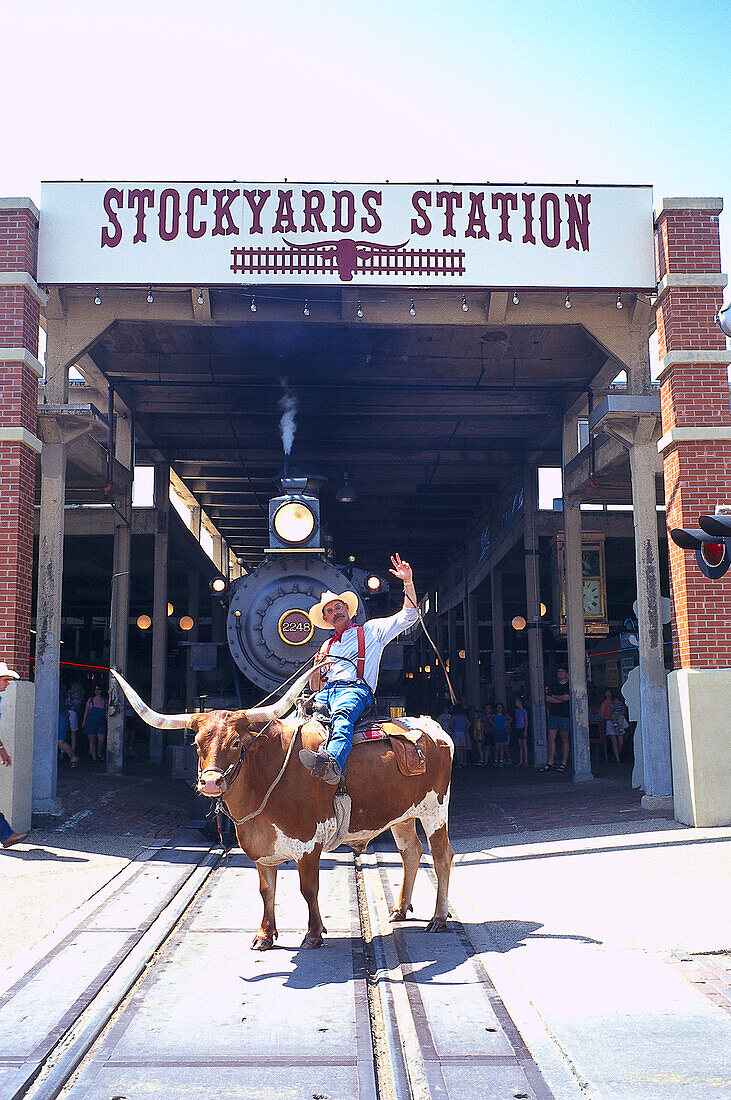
<point>7,672</point>
<point>349,599</point>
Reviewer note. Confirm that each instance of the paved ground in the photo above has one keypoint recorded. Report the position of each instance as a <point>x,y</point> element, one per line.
<point>606,931</point>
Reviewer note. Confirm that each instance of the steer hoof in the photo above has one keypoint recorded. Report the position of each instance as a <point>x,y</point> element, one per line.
<point>312,940</point>
<point>436,924</point>
<point>399,912</point>
<point>262,943</point>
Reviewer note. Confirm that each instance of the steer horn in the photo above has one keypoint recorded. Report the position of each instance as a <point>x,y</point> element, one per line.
<point>283,705</point>
<point>147,714</point>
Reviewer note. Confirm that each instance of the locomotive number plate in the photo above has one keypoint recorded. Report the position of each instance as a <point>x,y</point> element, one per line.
<point>295,627</point>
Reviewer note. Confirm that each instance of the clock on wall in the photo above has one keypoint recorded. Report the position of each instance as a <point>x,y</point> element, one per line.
<point>593,582</point>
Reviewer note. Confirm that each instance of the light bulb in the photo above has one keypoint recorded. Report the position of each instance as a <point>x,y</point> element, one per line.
<point>98,298</point>
<point>567,303</point>
<point>150,298</point>
<point>516,299</point>
<point>465,307</point>
<point>200,297</point>
<point>306,310</point>
<point>412,308</point>
<point>359,310</point>
<point>619,302</point>
<point>252,307</point>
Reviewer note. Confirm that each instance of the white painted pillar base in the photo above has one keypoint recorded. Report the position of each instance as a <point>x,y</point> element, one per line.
<point>699,704</point>
<point>16,734</point>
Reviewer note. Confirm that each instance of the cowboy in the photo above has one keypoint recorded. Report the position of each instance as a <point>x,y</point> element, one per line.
<point>346,669</point>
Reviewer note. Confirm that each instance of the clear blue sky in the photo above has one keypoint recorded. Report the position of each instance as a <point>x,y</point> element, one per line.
<point>522,90</point>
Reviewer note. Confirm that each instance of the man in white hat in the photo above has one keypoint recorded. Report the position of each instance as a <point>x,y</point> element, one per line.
<point>346,674</point>
<point>7,836</point>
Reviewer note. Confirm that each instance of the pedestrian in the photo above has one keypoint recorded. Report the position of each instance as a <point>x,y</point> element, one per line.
<point>445,721</point>
<point>459,735</point>
<point>7,836</point>
<point>64,732</point>
<point>478,738</point>
<point>558,697</point>
<point>614,711</point>
<point>521,731</point>
<point>74,707</point>
<point>488,733</point>
<point>501,724</point>
<point>95,724</point>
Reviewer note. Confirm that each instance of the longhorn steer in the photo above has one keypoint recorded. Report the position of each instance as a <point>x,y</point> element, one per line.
<point>284,813</point>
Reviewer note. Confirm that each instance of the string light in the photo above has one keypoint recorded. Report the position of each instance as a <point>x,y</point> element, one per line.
<point>252,307</point>
<point>306,310</point>
<point>98,299</point>
<point>412,308</point>
<point>465,307</point>
<point>359,310</point>
<point>150,297</point>
<point>516,299</point>
<point>619,302</point>
<point>567,303</point>
<point>200,298</point>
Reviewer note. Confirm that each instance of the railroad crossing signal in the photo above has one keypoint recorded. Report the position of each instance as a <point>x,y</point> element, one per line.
<point>712,544</point>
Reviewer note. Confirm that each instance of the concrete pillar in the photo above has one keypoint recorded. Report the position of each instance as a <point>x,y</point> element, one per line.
<point>454,661</point>
<point>48,626</point>
<point>160,605</point>
<point>472,652</point>
<point>533,614</point>
<point>499,676</point>
<point>574,589</point>
<point>119,639</point>
<point>654,720</point>
<point>191,676</point>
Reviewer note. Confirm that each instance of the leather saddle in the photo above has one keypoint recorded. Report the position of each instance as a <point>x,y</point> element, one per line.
<point>408,744</point>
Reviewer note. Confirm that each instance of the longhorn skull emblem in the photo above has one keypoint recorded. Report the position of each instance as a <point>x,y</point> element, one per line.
<point>347,252</point>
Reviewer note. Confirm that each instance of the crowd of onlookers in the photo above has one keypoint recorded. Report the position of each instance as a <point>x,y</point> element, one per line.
<point>488,735</point>
<point>495,735</point>
<point>82,723</point>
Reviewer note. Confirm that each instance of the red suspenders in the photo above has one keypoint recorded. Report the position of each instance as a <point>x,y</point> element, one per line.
<point>360,665</point>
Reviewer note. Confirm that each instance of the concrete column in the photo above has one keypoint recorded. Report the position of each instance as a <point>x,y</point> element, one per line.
<point>533,615</point>
<point>654,720</point>
<point>580,750</point>
<point>119,639</point>
<point>454,661</point>
<point>191,676</point>
<point>499,677</point>
<point>160,605</point>
<point>472,652</point>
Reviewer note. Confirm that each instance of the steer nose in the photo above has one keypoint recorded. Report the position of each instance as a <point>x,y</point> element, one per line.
<point>210,782</point>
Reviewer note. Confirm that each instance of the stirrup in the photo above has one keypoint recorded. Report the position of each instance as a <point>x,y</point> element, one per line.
<point>321,765</point>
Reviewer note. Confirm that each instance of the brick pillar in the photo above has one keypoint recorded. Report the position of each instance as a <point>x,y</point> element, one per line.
<point>19,447</point>
<point>696,420</point>
<point>696,450</point>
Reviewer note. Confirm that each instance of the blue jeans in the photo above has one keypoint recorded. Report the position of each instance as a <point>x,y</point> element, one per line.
<point>346,700</point>
<point>5,830</point>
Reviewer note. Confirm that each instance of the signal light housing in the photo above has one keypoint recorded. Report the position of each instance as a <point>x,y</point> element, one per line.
<point>711,543</point>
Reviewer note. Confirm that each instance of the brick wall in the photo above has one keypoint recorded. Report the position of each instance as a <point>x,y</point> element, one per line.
<point>694,394</point>
<point>19,317</point>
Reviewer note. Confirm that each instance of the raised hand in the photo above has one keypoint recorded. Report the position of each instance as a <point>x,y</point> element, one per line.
<point>401,569</point>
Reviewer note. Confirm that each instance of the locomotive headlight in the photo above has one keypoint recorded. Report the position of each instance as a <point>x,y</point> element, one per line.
<point>373,583</point>
<point>294,522</point>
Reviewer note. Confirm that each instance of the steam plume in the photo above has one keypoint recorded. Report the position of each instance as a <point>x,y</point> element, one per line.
<point>287,423</point>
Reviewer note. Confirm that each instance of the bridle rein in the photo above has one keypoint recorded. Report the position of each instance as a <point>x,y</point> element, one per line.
<point>232,771</point>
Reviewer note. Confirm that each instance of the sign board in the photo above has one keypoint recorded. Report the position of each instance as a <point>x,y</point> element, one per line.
<point>508,236</point>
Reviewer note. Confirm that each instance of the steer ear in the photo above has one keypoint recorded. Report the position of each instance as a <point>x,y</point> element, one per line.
<point>147,714</point>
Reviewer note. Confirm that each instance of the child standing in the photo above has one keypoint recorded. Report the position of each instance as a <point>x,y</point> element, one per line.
<point>521,731</point>
<point>501,722</point>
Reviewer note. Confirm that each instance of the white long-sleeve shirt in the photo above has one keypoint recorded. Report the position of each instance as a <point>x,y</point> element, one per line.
<point>377,634</point>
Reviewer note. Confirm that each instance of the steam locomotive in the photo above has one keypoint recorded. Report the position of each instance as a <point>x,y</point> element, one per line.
<point>268,630</point>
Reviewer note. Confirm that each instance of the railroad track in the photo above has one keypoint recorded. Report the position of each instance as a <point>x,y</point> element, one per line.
<point>156,993</point>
